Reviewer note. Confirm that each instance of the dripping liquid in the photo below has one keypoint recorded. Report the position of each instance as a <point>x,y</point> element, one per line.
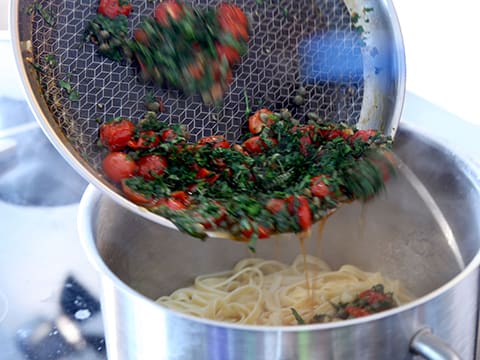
<point>301,238</point>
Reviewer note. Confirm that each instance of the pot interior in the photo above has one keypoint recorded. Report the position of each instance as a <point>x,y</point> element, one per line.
<point>422,230</point>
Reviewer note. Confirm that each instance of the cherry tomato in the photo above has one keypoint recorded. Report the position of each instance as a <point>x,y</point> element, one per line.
<point>239,148</point>
<point>118,166</point>
<point>141,36</point>
<point>181,196</point>
<point>217,141</point>
<point>150,166</point>
<point>219,76</point>
<point>168,135</point>
<point>372,296</point>
<point>363,135</point>
<point>233,20</point>
<point>247,232</point>
<point>298,206</point>
<point>203,173</point>
<point>135,196</point>
<point>305,141</point>
<point>229,52</point>
<point>255,122</point>
<point>146,140</point>
<point>172,204</point>
<point>115,135</point>
<point>331,134</point>
<point>275,205</point>
<point>167,11</point>
<point>263,232</point>
<point>318,186</point>
<point>219,163</point>
<point>254,145</point>
<point>113,8</point>
<point>213,178</point>
<point>356,312</point>
<point>196,70</point>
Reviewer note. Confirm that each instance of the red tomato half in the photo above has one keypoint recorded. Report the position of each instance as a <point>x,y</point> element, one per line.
<point>233,20</point>
<point>229,52</point>
<point>181,196</point>
<point>118,166</point>
<point>146,140</point>
<point>113,8</point>
<point>135,196</point>
<point>298,206</point>
<point>255,122</point>
<point>318,186</point>
<point>115,135</point>
<point>372,296</point>
<point>356,312</point>
<point>363,135</point>
<point>151,166</point>
<point>275,205</point>
<point>167,11</point>
<point>263,232</point>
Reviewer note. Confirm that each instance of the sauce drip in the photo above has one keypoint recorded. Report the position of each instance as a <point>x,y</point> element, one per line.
<point>301,238</point>
<point>362,221</point>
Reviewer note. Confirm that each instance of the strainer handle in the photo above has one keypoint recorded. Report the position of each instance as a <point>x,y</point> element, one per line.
<point>431,347</point>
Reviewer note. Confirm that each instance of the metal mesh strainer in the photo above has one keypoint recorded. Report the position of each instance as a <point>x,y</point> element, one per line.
<point>348,55</point>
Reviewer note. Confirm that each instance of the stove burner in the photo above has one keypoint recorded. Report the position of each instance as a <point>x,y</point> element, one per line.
<point>66,335</point>
<point>36,174</point>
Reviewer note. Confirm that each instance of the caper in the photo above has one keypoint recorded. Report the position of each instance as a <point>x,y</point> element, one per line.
<point>153,106</point>
<point>127,52</point>
<point>104,47</point>
<point>264,117</point>
<point>95,27</point>
<point>115,42</point>
<point>298,100</point>
<point>301,91</point>
<point>285,114</point>
<point>313,116</point>
<point>104,35</point>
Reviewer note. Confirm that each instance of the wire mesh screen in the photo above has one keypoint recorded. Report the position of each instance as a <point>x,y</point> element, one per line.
<point>302,43</point>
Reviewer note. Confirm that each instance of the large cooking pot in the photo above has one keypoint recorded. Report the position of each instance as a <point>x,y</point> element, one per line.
<point>425,231</point>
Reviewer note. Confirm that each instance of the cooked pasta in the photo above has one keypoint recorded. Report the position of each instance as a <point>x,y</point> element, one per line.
<point>264,292</point>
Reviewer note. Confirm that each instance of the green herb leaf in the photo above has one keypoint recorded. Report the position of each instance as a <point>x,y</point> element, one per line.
<point>298,317</point>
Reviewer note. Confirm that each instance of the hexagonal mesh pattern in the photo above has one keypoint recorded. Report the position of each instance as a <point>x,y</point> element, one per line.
<point>293,44</point>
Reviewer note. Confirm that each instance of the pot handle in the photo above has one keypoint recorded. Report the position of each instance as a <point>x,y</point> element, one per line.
<point>431,347</point>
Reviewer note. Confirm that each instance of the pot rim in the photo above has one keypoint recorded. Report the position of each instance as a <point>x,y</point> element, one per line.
<point>92,196</point>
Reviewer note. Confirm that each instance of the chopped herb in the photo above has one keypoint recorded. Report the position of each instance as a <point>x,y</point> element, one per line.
<point>282,178</point>
<point>355,18</point>
<point>65,85</point>
<point>46,15</point>
<point>74,96</point>
<point>248,110</point>
<point>50,60</point>
<point>297,316</point>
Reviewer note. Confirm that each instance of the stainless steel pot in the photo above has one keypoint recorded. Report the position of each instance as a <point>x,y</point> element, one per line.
<point>425,231</point>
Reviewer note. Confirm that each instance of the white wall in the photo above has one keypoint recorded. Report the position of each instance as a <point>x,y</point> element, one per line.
<point>443,53</point>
